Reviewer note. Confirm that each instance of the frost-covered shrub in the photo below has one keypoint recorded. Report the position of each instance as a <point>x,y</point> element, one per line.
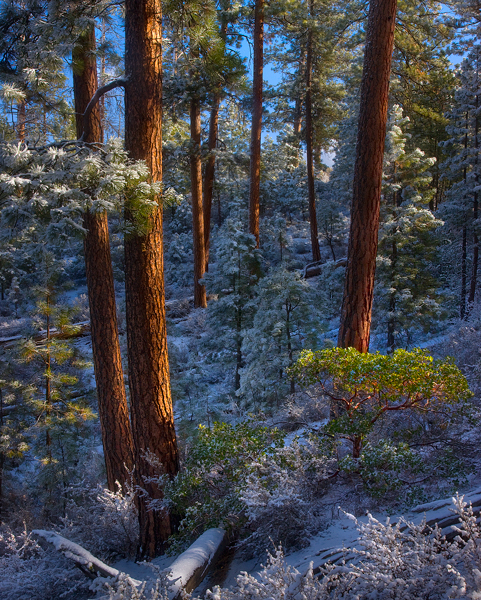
<point>281,494</point>
<point>276,580</point>
<point>105,522</point>
<point>243,476</point>
<point>31,572</point>
<point>205,492</point>
<point>124,589</point>
<point>397,562</point>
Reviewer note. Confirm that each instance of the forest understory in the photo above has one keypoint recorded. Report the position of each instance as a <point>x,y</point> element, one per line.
<point>240,322</point>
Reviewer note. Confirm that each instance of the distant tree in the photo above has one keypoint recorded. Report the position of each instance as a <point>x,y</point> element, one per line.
<point>257,104</point>
<point>463,168</point>
<point>406,290</point>
<point>238,270</point>
<point>283,324</point>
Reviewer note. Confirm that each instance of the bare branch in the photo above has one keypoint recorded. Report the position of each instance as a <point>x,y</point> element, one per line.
<point>95,98</point>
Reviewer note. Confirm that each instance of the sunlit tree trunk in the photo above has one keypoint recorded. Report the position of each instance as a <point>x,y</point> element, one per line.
<point>112,401</point>
<point>149,382</point>
<point>474,273</point>
<point>356,311</point>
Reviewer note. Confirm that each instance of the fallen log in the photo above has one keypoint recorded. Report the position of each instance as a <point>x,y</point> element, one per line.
<point>316,268</point>
<point>192,566</point>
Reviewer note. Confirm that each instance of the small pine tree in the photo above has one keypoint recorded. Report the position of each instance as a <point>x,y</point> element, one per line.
<point>406,295</point>
<point>284,321</point>
<point>238,268</point>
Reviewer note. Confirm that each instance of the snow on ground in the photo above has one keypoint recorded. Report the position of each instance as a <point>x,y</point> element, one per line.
<point>341,536</point>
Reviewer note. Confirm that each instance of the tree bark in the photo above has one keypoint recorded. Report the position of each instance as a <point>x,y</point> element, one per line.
<point>209,175</point>
<point>356,311</point>
<point>316,253</point>
<point>112,400</point>
<point>255,150</point>
<point>21,121</point>
<point>149,381</point>
<point>200,298</point>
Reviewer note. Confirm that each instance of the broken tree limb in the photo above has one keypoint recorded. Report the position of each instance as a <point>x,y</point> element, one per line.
<point>86,562</point>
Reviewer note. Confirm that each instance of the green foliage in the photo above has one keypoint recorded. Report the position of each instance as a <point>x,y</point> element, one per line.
<point>365,387</point>
<point>385,468</point>
<point>205,493</point>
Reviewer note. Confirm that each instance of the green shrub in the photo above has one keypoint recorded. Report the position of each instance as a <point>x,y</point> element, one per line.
<point>364,388</point>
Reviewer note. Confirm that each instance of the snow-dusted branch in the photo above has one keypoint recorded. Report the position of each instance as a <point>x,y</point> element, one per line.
<point>86,562</point>
<point>95,98</point>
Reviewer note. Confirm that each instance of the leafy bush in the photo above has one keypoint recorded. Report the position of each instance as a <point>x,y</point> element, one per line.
<point>384,467</point>
<point>244,477</point>
<point>364,388</point>
<point>204,493</point>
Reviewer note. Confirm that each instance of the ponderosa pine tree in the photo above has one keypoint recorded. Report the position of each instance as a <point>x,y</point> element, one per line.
<point>150,396</point>
<point>316,253</point>
<point>255,151</point>
<point>356,310</point>
<point>112,400</point>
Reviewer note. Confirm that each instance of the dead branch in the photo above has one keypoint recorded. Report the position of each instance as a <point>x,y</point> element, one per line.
<point>95,98</point>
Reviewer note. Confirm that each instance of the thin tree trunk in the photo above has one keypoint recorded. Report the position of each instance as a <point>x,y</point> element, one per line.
<point>356,311</point>
<point>391,324</point>
<point>209,175</point>
<point>150,396</point>
<point>474,274</point>
<point>21,121</point>
<point>316,253</point>
<point>112,400</point>
<point>255,163</point>
<point>464,256</point>
<point>238,367</point>
<point>200,298</point>
<point>465,233</point>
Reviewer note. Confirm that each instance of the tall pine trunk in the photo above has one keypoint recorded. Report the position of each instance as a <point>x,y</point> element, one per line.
<point>209,175</point>
<point>149,381</point>
<point>356,310</point>
<point>316,253</point>
<point>255,150</point>
<point>112,401</point>
<point>200,298</point>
